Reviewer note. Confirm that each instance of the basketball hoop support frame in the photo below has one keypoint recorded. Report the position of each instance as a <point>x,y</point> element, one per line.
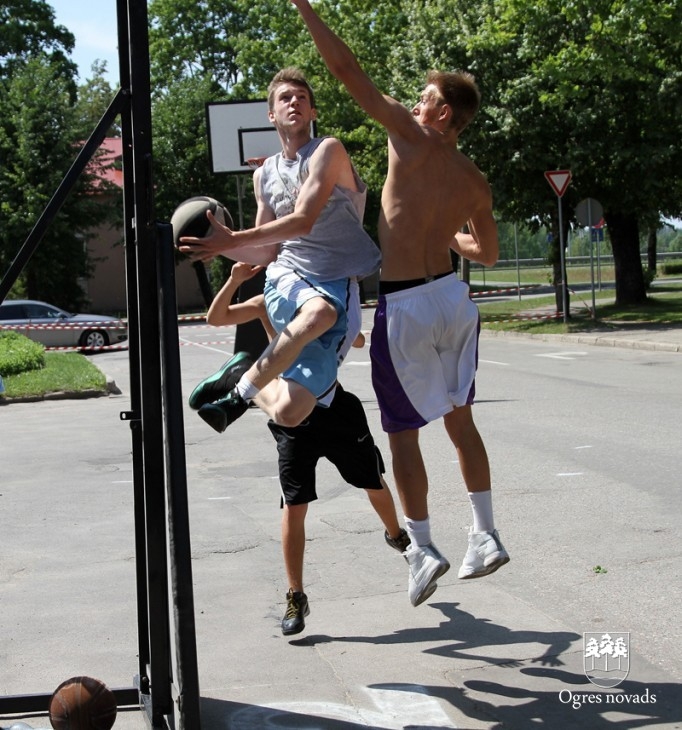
<point>162,545</point>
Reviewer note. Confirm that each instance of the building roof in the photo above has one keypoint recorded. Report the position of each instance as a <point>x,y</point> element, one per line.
<point>109,164</point>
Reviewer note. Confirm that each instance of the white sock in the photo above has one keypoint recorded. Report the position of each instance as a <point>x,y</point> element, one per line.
<point>247,389</point>
<point>482,508</point>
<point>419,531</point>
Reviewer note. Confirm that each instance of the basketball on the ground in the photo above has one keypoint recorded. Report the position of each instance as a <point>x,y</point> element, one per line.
<point>82,703</point>
<point>189,218</point>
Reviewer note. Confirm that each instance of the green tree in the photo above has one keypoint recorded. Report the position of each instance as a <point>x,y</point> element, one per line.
<point>37,149</point>
<point>27,28</point>
<point>589,86</point>
<point>230,43</point>
<point>44,118</point>
<point>94,97</point>
<point>594,87</point>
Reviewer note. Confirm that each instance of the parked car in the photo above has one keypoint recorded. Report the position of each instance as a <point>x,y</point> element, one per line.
<point>53,327</point>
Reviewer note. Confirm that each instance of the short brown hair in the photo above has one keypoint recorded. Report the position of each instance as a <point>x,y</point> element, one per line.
<point>459,92</point>
<point>290,75</point>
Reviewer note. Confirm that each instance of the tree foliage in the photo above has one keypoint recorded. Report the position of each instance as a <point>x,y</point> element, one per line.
<point>593,87</point>
<point>27,28</point>
<point>94,97</point>
<point>37,112</point>
<point>42,125</point>
<point>238,44</point>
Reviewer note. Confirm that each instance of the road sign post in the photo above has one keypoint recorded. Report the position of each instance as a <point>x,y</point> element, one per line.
<point>589,212</point>
<point>559,180</point>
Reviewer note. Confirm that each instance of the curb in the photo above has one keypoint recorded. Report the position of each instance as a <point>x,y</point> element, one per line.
<point>110,389</point>
<point>591,339</point>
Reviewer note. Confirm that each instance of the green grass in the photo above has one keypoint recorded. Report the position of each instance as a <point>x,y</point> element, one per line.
<point>662,308</point>
<point>63,371</point>
<point>534,275</point>
<point>539,275</point>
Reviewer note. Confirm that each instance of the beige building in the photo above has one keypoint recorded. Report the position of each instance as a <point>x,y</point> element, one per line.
<point>106,289</point>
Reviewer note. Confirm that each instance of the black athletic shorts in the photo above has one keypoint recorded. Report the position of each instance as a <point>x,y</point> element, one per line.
<point>339,433</point>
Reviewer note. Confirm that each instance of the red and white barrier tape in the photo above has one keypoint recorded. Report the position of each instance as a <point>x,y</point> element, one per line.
<point>82,325</point>
<point>80,348</point>
<point>506,290</point>
<point>521,319</point>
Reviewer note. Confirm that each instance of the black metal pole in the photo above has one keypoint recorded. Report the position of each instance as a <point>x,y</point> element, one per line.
<point>161,702</point>
<point>187,678</point>
<point>135,415</point>
<point>151,303</point>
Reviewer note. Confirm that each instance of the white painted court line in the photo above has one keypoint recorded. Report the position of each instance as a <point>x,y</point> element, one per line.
<point>203,347</point>
<point>568,355</point>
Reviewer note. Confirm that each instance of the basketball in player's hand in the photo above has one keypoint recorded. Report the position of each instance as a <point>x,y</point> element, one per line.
<point>189,218</point>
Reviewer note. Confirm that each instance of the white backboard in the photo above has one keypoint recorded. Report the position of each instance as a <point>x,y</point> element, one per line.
<point>237,131</point>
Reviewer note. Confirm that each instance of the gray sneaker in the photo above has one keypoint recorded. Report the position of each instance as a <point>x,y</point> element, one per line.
<point>294,617</point>
<point>485,555</point>
<point>400,543</point>
<point>426,566</point>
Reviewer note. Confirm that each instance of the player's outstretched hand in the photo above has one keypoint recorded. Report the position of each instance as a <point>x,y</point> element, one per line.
<point>242,272</point>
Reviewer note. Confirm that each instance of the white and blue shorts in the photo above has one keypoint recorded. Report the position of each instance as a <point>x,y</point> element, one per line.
<point>317,366</point>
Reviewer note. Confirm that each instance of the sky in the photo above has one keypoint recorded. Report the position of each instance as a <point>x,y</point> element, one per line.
<point>94,25</point>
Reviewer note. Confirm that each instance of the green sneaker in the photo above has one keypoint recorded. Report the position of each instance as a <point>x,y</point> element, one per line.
<point>223,412</point>
<point>219,384</point>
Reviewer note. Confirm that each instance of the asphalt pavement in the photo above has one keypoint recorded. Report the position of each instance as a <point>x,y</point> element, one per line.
<point>481,654</point>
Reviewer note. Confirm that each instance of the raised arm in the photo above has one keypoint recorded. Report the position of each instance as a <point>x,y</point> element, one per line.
<point>223,312</point>
<point>342,64</point>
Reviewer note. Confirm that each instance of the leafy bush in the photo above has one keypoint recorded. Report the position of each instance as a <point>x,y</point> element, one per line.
<point>671,268</point>
<point>19,354</point>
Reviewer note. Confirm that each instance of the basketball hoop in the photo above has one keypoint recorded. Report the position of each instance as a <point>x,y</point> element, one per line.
<point>255,162</point>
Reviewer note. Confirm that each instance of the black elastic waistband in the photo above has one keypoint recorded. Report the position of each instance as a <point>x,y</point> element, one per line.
<point>389,287</point>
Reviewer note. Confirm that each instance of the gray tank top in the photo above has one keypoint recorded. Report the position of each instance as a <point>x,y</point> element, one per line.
<point>338,246</point>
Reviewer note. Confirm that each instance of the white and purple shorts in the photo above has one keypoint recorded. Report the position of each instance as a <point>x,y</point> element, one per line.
<point>424,350</point>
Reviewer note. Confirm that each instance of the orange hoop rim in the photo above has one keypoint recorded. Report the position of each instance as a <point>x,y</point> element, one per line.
<point>255,162</point>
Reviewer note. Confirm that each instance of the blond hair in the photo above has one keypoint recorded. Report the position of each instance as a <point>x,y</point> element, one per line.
<point>459,91</point>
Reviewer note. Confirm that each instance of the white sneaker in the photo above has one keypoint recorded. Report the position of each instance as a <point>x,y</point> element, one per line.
<point>426,566</point>
<point>485,555</point>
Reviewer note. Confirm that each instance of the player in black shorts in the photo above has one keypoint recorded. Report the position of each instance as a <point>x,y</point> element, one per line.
<point>340,434</point>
